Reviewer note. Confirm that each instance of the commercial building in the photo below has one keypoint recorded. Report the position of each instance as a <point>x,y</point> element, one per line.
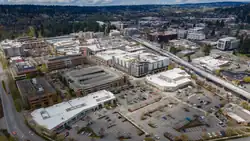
<point>182,34</point>
<point>140,63</point>
<point>182,43</point>
<point>170,80</point>
<point>237,113</point>
<point>20,69</point>
<point>57,117</point>
<point>196,33</point>
<point>67,47</point>
<point>162,36</point>
<point>196,36</point>
<point>114,33</point>
<point>66,61</point>
<point>209,63</point>
<point>12,48</point>
<point>36,92</point>
<point>228,43</point>
<point>93,46</point>
<point>106,57</point>
<point>93,79</point>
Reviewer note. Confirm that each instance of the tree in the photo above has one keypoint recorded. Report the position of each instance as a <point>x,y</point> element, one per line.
<point>189,58</point>
<point>222,24</point>
<point>101,132</point>
<point>174,50</point>
<point>207,50</point>
<point>217,72</point>
<point>184,137</point>
<point>213,32</point>
<point>246,79</point>
<point>59,99</point>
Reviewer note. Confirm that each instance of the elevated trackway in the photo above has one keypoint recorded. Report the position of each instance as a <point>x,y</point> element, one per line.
<point>242,93</point>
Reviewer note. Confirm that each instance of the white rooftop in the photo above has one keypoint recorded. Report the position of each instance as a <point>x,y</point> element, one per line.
<point>170,78</point>
<point>141,56</point>
<point>228,39</point>
<point>235,117</point>
<point>10,44</point>
<point>58,114</point>
<point>210,62</point>
<point>108,54</point>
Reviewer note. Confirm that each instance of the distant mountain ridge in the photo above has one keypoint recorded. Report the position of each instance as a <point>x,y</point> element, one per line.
<point>206,4</point>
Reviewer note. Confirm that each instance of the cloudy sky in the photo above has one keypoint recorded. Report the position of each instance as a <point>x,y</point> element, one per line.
<point>105,2</point>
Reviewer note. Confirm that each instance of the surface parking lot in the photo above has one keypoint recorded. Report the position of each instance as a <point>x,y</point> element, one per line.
<point>202,99</point>
<point>112,124</point>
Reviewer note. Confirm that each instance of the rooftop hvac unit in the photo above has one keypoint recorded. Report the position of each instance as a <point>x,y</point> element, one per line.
<point>34,81</point>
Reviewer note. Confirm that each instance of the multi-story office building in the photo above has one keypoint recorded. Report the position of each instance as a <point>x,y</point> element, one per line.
<point>36,92</point>
<point>93,79</point>
<point>140,63</point>
<point>228,43</point>
<point>61,62</point>
<point>12,48</point>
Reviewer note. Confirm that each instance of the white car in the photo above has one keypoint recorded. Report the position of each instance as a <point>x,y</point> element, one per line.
<point>214,134</point>
<point>209,135</point>
<point>157,137</point>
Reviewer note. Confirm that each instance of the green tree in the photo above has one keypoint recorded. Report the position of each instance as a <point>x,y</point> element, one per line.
<point>246,79</point>
<point>217,72</point>
<point>174,50</point>
<point>207,49</point>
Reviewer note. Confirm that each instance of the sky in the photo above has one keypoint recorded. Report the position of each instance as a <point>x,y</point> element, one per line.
<point>105,2</point>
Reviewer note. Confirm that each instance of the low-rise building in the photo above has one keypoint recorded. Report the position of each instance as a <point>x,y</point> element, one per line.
<point>36,92</point>
<point>91,79</point>
<point>196,36</point>
<point>162,36</point>
<point>170,80</point>
<point>140,63</point>
<point>57,117</point>
<point>228,43</point>
<point>60,62</point>
<point>237,113</point>
<point>209,63</point>
<point>20,69</point>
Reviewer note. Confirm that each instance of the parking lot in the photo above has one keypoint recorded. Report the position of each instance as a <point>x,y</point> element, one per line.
<point>109,122</point>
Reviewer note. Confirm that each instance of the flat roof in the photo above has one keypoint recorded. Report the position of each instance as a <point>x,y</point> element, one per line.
<point>228,39</point>
<point>108,54</point>
<point>141,56</point>
<point>35,86</point>
<point>210,61</point>
<point>237,112</point>
<point>91,77</point>
<point>58,114</point>
<point>171,78</point>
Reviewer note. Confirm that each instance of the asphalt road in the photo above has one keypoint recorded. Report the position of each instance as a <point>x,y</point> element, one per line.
<point>195,69</point>
<point>14,120</point>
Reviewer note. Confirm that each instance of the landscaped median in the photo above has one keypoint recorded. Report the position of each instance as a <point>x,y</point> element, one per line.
<point>88,130</point>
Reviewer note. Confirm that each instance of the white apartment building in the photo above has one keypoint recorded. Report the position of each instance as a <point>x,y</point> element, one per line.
<point>170,80</point>
<point>228,43</point>
<point>140,63</point>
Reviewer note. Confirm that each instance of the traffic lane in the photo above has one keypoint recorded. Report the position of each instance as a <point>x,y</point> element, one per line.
<point>9,116</point>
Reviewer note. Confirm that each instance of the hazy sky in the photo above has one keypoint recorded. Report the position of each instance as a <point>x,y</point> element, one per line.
<point>105,2</point>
